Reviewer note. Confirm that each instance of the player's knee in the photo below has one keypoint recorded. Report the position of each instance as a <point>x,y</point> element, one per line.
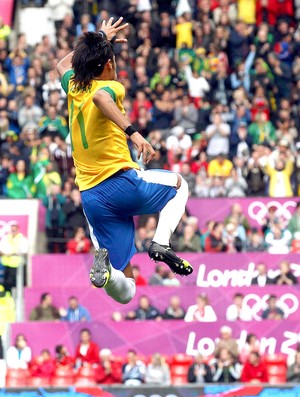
<point>181,183</point>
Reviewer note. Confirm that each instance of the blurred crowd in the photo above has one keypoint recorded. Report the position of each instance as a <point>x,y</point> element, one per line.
<point>276,234</point>
<point>213,85</point>
<point>91,365</point>
<point>198,308</point>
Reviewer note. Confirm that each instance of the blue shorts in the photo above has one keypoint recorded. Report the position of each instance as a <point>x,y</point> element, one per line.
<point>110,206</point>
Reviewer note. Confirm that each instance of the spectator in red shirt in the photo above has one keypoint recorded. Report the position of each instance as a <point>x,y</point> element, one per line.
<point>63,358</point>
<point>139,279</point>
<point>214,241</point>
<point>254,370</point>
<point>109,371</point>
<point>79,244</point>
<point>42,366</point>
<point>270,10</point>
<point>87,352</point>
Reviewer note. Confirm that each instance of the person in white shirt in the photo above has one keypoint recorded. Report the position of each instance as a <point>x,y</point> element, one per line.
<point>218,137</point>
<point>238,310</point>
<point>59,9</point>
<point>197,85</point>
<point>278,239</point>
<point>178,139</point>
<point>158,371</point>
<point>202,311</point>
<point>19,355</point>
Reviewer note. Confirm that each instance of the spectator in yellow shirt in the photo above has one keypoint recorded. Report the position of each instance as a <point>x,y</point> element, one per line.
<point>247,11</point>
<point>4,30</point>
<point>220,166</point>
<point>184,32</point>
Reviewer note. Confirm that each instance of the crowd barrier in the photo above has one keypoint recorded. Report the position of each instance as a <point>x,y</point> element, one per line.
<point>210,270</point>
<point>169,338</point>
<point>254,208</point>
<point>224,390</point>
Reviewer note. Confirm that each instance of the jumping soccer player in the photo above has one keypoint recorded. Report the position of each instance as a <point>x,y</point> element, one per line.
<point>112,186</point>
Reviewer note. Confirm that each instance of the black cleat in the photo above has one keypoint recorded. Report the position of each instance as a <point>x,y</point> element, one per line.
<point>163,253</point>
<point>100,272</point>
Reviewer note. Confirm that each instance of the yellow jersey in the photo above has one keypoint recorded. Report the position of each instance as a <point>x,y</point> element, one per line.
<point>184,34</point>
<point>99,146</point>
<point>247,11</point>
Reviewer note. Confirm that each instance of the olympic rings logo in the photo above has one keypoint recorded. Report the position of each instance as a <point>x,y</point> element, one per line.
<point>289,303</point>
<point>258,210</point>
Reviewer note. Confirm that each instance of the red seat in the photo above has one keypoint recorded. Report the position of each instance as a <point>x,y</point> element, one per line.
<point>16,377</point>
<point>179,379</point>
<point>276,370</point>
<point>277,379</point>
<point>17,373</point>
<point>179,369</point>
<point>182,359</point>
<point>16,382</point>
<point>84,381</point>
<point>64,376</point>
<point>61,381</point>
<point>37,381</point>
<point>87,371</point>
<point>64,372</point>
<point>275,359</point>
<point>86,376</point>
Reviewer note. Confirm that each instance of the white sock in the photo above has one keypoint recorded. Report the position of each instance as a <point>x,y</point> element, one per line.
<point>171,214</point>
<point>119,287</point>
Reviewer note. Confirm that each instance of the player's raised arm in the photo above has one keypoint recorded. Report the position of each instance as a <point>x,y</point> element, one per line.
<point>109,31</point>
<point>65,64</point>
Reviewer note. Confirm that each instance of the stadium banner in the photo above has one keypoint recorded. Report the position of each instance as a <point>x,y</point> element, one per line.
<point>25,212</point>
<point>254,208</point>
<point>149,391</point>
<point>223,390</point>
<point>169,338</point>
<point>6,11</point>
<point>210,270</point>
<point>102,307</point>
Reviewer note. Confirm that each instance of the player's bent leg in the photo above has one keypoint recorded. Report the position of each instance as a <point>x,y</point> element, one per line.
<point>121,285</point>
<point>169,218</point>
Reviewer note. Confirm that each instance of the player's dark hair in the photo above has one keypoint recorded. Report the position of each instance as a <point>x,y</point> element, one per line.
<point>90,56</point>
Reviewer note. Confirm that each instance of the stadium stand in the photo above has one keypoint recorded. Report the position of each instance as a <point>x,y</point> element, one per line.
<point>215,87</point>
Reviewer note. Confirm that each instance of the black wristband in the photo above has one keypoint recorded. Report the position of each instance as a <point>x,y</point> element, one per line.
<point>103,34</point>
<point>113,39</point>
<point>130,130</point>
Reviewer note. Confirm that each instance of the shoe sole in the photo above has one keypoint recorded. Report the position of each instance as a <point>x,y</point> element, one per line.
<point>182,267</point>
<point>99,273</point>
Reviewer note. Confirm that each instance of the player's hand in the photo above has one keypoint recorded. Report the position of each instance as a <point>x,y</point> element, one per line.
<point>143,147</point>
<point>111,29</point>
